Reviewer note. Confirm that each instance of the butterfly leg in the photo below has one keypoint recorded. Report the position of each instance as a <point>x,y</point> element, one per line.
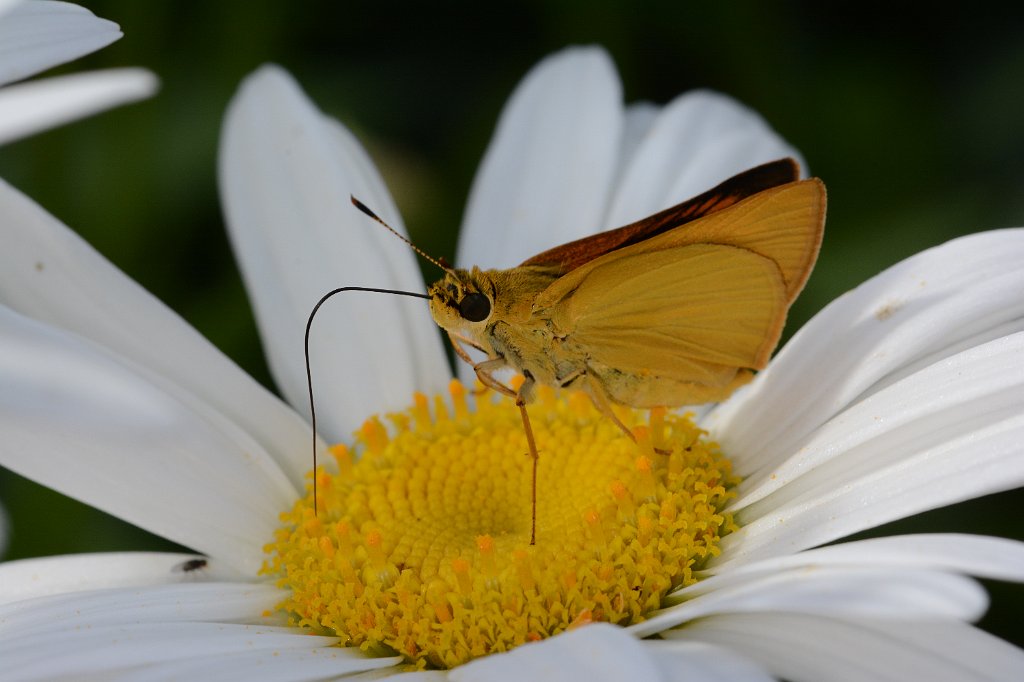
<point>603,403</point>
<point>457,341</point>
<point>484,374</point>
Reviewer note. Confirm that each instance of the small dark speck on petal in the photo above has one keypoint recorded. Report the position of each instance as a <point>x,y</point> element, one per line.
<point>888,310</point>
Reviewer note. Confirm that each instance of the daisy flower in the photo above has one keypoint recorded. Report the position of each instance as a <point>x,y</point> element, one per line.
<point>712,562</point>
<point>36,35</point>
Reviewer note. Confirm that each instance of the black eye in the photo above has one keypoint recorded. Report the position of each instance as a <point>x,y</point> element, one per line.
<point>474,307</point>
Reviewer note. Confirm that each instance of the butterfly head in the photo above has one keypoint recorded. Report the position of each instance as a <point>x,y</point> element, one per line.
<point>462,302</point>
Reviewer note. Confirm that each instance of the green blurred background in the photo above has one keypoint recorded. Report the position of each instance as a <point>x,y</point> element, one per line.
<point>915,124</point>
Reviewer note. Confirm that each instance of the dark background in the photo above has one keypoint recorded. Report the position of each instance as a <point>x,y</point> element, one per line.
<point>913,120</point>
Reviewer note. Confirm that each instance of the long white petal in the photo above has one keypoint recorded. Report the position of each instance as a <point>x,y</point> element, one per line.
<point>595,652</point>
<point>35,36</point>
<point>266,663</point>
<point>89,424</point>
<point>242,603</point>
<point>49,273</point>
<point>857,592</point>
<point>28,108</point>
<point>917,312</point>
<point>975,388</point>
<point>699,139</point>
<point>101,652</point>
<point>547,172</point>
<point>806,648</point>
<point>30,578</point>
<point>949,433</point>
<point>984,557</point>
<point>286,173</point>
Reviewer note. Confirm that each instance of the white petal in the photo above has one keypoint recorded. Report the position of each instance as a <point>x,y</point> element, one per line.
<point>699,139</point>
<point>807,648</point>
<point>595,653</point>
<point>50,274</point>
<point>286,173</point>
<point>30,107</point>
<point>418,676</point>
<point>103,651</point>
<point>90,425</point>
<point>547,172</point>
<point>880,593</point>
<point>682,660</point>
<point>29,578</point>
<point>984,557</point>
<point>919,311</point>
<point>949,433</point>
<point>37,35</point>
<point>640,118</point>
<point>7,5</point>
<point>973,389</point>
<point>161,604</point>
<point>280,665</point>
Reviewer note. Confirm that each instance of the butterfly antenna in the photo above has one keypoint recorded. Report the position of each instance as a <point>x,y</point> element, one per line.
<point>309,372</point>
<point>362,207</point>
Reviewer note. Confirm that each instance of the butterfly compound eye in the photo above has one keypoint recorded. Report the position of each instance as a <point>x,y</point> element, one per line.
<point>474,307</point>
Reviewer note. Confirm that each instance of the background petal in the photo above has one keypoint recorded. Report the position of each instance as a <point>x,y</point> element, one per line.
<point>91,425</point>
<point>286,173</point>
<point>48,273</point>
<point>697,140</point>
<point>930,306</point>
<point>35,36</point>
<point>639,119</point>
<point>27,108</point>
<point>547,172</point>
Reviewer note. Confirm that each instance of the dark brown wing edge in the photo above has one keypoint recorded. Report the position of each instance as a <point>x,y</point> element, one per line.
<point>571,255</point>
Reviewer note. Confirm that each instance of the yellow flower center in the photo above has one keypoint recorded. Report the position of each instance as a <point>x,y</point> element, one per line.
<point>421,545</point>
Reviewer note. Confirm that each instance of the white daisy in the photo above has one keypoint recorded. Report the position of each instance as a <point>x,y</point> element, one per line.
<point>36,35</point>
<point>901,396</point>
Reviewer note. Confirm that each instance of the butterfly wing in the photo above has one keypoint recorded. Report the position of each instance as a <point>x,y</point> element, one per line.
<point>569,256</point>
<point>684,316</point>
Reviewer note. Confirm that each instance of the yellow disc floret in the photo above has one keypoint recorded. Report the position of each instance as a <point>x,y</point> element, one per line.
<point>421,545</point>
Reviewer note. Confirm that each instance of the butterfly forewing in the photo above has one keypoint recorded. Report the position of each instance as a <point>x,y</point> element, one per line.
<point>571,255</point>
<point>784,224</point>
